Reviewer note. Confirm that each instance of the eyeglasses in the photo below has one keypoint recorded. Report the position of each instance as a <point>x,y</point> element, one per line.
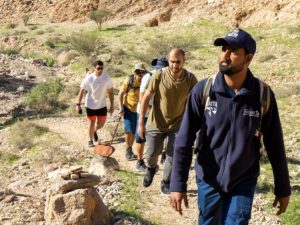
<point>99,68</point>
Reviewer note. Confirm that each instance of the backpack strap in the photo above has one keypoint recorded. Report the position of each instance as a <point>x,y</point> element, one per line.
<point>130,83</point>
<point>205,97</point>
<point>264,98</point>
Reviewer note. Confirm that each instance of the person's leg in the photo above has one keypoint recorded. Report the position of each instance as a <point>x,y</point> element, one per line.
<point>238,204</point>
<point>169,150</point>
<point>209,204</point>
<point>91,129</point>
<point>129,129</point>
<point>155,141</point>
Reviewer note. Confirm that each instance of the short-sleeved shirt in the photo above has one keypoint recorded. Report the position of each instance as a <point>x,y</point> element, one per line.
<point>170,96</point>
<point>96,88</point>
<point>132,95</point>
<point>144,84</point>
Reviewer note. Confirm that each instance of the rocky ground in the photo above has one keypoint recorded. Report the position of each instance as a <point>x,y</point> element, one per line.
<point>22,195</point>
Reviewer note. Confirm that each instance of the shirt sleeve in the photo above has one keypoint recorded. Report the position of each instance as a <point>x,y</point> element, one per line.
<point>154,81</point>
<point>145,82</point>
<point>85,83</point>
<point>110,83</point>
<point>274,145</point>
<point>125,85</point>
<point>184,141</point>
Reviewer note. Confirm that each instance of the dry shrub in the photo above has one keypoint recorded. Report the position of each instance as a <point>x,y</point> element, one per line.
<point>152,23</point>
<point>23,133</point>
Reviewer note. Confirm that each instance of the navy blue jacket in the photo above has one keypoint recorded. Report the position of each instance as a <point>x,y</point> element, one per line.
<point>231,150</point>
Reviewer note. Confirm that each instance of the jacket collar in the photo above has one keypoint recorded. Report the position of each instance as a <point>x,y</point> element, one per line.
<point>248,87</point>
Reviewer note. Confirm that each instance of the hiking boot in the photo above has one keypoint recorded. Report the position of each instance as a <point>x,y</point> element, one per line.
<point>140,166</point>
<point>148,178</point>
<point>163,157</point>
<point>129,154</point>
<point>165,187</point>
<point>96,136</point>
<point>91,144</point>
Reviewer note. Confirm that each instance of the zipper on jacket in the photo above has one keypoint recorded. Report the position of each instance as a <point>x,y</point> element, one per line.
<point>231,118</point>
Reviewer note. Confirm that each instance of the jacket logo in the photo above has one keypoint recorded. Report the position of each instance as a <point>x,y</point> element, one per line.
<point>251,113</point>
<point>211,108</point>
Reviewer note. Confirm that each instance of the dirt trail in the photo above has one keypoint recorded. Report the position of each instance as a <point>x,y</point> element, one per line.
<point>156,205</point>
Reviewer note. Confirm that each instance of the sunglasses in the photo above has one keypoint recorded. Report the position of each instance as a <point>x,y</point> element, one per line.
<point>99,68</point>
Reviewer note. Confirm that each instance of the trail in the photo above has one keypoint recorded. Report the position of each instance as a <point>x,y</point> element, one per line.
<point>156,206</point>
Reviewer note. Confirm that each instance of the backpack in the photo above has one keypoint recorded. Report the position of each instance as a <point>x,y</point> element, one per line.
<point>131,81</point>
<point>264,94</point>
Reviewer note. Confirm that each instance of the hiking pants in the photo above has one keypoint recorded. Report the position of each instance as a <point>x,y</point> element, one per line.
<point>155,143</point>
<point>232,208</point>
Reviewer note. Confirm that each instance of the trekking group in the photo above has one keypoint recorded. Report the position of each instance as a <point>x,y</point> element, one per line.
<point>227,115</point>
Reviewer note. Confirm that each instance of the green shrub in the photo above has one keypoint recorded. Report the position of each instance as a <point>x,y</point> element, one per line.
<point>44,97</point>
<point>50,44</point>
<point>11,25</point>
<point>161,46</point>
<point>85,44</point>
<point>26,18</point>
<point>99,16</point>
<point>40,32</point>
<point>10,51</point>
<point>22,134</point>
<point>48,60</point>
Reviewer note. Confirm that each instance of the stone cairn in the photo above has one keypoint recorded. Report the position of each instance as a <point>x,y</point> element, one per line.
<point>72,199</point>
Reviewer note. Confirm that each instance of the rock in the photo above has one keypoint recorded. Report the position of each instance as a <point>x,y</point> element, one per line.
<point>102,166</point>
<point>64,186</point>
<point>81,207</point>
<point>8,198</point>
<point>152,23</point>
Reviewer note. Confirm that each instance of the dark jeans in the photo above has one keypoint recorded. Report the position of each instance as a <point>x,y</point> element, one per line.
<point>232,208</point>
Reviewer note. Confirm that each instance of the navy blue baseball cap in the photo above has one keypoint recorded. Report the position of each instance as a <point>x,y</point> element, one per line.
<point>238,39</point>
<point>160,62</point>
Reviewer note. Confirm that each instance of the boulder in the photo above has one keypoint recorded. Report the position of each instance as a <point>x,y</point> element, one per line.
<point>102,166</point>
<point>78,207</point>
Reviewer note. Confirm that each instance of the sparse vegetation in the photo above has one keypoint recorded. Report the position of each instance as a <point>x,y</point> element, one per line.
<point>44,97</point>
<point>99,16</point>
<point>26,18</point>
<point>85,44</point>
<point>11,25</point>
<point>10,51</point>
<point>23,133</point>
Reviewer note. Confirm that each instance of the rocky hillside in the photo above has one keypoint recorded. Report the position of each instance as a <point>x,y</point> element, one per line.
<point>247,13</point>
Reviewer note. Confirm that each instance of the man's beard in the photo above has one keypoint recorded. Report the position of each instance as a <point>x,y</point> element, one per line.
<point>226,68</point>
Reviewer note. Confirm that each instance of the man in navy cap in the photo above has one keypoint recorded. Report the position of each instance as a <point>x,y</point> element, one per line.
<point>227,164</point>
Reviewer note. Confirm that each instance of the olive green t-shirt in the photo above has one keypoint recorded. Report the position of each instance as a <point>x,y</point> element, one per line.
<point>170,96</point>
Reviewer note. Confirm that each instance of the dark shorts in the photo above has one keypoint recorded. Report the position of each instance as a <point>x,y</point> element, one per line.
<point>99,114</point>
<point>139,139</point>
<point>129,120</point>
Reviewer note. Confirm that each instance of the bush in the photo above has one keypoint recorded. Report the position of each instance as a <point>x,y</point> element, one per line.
<point>50,44</point>
<point>10,51</point>
<point>99,16</point>
<point>26,18</point>
<point>85,44</point>
<point>22,134</point>
<point>44,97</point>
<point>11,26</point>
<point>161,46</point>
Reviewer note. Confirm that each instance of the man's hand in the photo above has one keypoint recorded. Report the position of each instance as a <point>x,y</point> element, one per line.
<point>141,130</point>
<point>176,199</point>
<point>121,112</point>
<point>78,109</point>
<point>281,203</point>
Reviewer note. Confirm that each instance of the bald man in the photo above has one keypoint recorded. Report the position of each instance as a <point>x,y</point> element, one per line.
<point>170,87</point>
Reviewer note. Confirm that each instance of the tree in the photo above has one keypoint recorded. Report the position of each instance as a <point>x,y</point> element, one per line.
<point>99,16</point>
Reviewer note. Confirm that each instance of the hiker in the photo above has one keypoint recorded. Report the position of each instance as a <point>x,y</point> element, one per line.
<point>94,87</point>
<point>128,100</point>
<point>170,87</point>
<point>227,164</point>
<point>157,63</point>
